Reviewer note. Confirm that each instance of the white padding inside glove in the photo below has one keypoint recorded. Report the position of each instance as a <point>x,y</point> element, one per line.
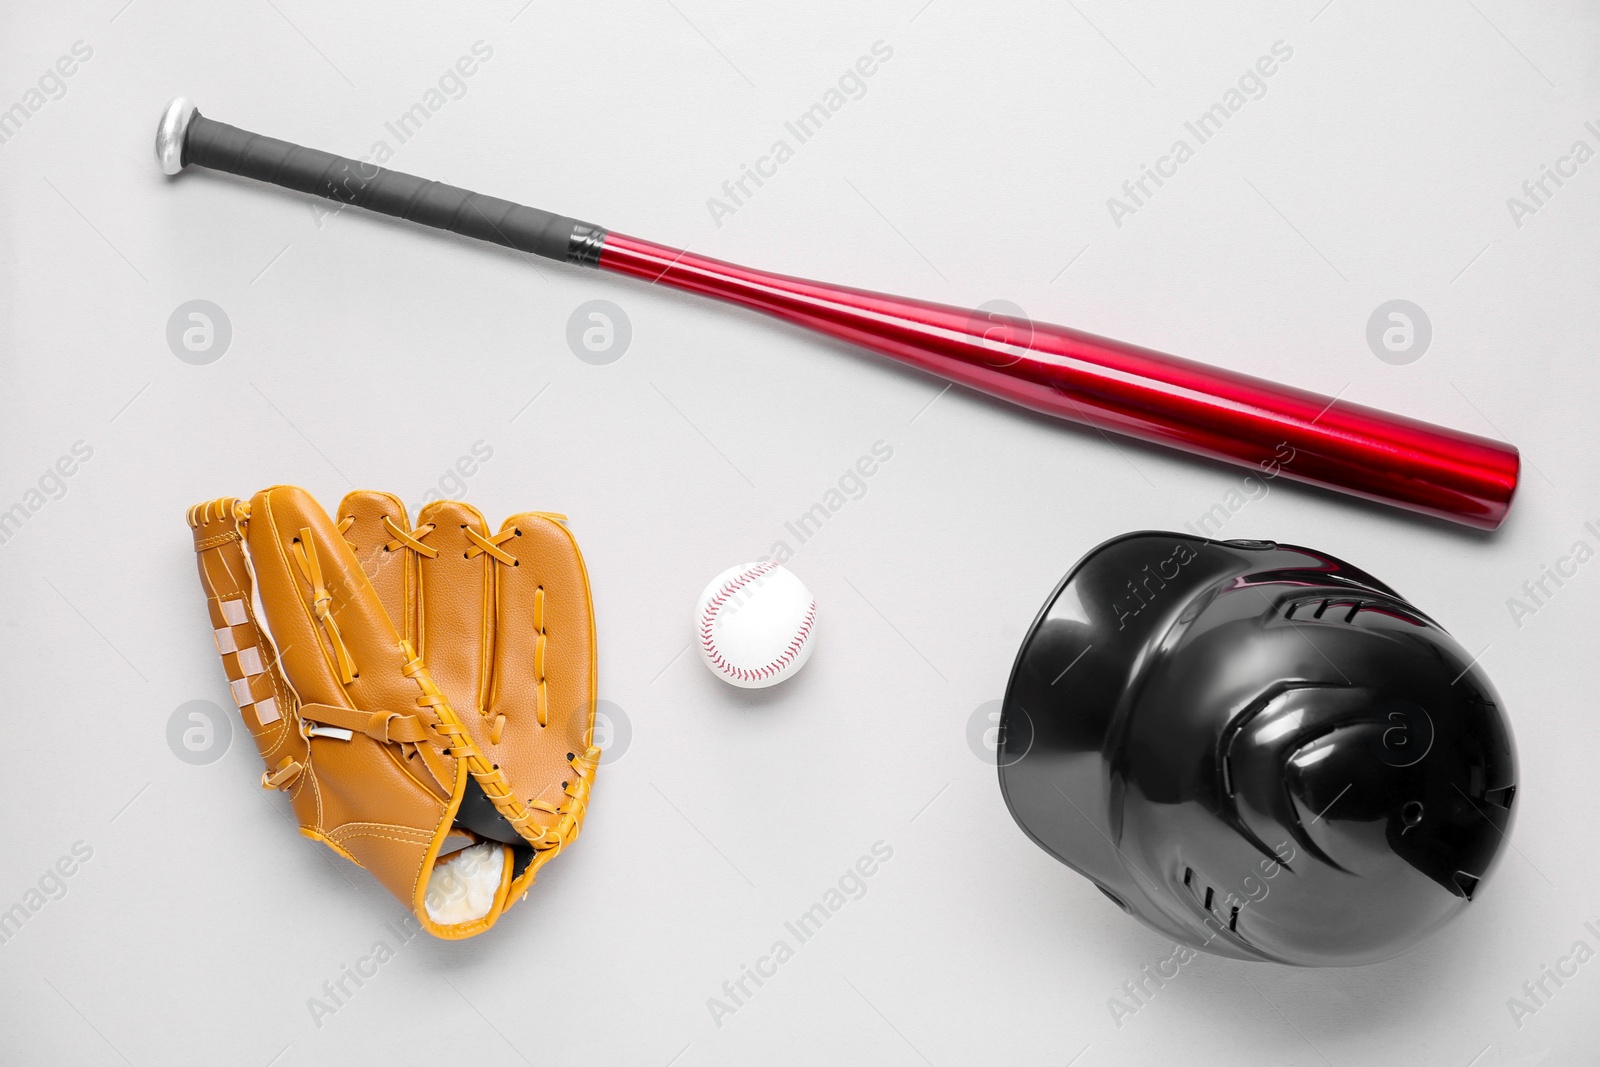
<point>462,887</point>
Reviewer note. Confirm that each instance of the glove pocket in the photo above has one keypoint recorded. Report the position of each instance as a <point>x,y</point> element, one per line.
<point>389,802</point>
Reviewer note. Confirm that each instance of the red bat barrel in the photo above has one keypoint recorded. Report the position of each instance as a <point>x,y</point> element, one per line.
<point>1118,387</point>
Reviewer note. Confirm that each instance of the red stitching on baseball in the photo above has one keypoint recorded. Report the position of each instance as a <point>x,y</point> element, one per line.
<point>714,606</point>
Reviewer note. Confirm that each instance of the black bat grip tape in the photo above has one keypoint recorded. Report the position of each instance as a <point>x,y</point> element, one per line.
<point>218,146</point>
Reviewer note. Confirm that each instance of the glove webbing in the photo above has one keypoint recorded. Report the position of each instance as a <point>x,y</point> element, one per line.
<point>547,840</point>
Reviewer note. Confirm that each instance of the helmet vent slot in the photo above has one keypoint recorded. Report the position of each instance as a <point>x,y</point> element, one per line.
<point>1327,608</point>
<point>1118,901</point>
<point>1501,797</point>
<point>1206,897</point>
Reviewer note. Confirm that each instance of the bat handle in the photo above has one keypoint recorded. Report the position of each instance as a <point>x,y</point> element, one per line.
<point>184,136</point>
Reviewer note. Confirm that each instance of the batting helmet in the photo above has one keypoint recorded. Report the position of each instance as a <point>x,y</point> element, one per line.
<point>1257,750</point>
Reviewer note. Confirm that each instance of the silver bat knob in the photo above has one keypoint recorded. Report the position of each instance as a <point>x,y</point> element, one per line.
<point>171,132</point>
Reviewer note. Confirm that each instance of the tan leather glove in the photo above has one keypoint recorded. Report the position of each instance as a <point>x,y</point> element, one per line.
<point>413,690</point>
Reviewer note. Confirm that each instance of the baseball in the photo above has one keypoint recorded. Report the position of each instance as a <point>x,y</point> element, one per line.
<point>755,624</point>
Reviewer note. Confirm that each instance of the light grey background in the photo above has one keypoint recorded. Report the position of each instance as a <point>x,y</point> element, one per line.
<point>976,166</point>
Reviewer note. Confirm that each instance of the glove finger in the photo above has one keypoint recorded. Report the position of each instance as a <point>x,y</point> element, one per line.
<point>385,559</point>
<point>334,637</point>
<point>338,647</point>
<point>455,594</point>
<point>544,665</point>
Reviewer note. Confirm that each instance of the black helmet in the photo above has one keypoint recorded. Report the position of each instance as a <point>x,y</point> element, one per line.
<point>1256,749</point>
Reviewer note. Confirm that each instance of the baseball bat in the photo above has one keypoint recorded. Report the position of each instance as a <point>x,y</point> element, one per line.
<point>1114,387</point>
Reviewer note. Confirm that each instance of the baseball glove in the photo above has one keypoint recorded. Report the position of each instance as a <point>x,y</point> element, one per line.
<point>424,695</point>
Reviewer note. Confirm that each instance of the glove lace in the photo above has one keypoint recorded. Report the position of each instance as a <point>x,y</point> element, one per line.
<point>481,544</point>
<point>305,555</point>
<point>491,545</point>
<point>409,539</point>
